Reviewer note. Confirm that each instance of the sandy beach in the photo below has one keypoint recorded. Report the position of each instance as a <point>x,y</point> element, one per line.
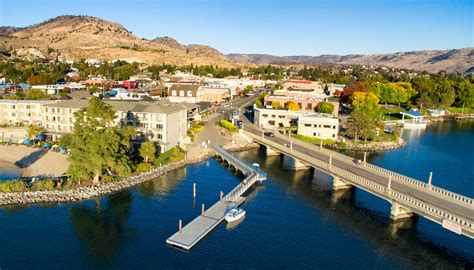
<point>34,161</point>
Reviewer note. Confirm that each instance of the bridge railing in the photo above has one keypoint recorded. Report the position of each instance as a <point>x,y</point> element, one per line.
<point>241,188</point>
<point>421,184</point>
<point>434,211</point>
<point>239,163</point>
<point>412,202</point>
<point>406,179</point>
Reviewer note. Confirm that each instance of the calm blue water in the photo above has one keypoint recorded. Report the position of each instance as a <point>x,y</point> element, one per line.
<point>293,220</point>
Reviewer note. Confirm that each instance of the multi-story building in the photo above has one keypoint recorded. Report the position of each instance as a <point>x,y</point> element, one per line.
<point>318,125</point>
<point>24,112</point>
<point>324,126</point>
<point>163,123</point>
<point>214,94</point>
<point>185,93</point>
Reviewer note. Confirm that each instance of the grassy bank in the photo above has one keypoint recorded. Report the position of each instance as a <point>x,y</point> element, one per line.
<point>227,125</point>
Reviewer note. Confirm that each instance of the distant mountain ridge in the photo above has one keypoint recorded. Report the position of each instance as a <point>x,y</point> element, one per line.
<point>456,60</point>
<point>85,37</point>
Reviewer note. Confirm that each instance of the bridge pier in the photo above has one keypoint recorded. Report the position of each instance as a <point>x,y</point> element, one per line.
<point>398,212</point>
<point>294,164</point>
<point>338,184</point>
<point>271,152</point>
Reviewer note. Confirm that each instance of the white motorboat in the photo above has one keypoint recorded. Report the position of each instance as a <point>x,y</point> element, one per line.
<point>234,214</point>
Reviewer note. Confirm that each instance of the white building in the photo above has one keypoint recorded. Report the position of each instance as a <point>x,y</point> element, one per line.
<point>324,126</point>
<point>24,112</point>
<point>163,123</point>
<point>190,93</point>
<point>54,89</point>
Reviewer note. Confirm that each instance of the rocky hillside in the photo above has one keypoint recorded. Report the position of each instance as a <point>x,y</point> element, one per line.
<point>458,60</point>
<point>85,37</point>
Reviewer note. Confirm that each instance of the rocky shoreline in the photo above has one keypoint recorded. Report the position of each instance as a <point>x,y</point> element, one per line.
<point>84,193</point>
<point>371,146</point>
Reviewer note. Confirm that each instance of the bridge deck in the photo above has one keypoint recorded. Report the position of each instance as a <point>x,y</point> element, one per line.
<point>201,226</point>
<point>431,202</point>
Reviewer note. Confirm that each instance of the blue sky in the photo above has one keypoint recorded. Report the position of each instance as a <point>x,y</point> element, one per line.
<point>292,27</point>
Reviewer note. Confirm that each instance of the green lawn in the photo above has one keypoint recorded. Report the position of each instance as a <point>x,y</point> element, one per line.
<point>459,110</point>
<point>391,113</point>
<point>313,139</point>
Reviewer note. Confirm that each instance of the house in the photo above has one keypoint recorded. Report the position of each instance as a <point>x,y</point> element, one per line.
<point>185,93</point>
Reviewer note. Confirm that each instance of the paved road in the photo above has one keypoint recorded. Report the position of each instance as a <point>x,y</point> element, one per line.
<point>445,203</point>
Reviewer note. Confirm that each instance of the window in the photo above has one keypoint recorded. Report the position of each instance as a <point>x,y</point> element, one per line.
<point>334,135</point>
<point>159,126</point>
<point>271,123</point>
<point>334,127</point>
<point>159,135</point>
<point>307,125</point>
<point>181,93</point>
<point>190,93</point>
<point>173,93</point>
<point>27,106</point>
<point>264,115</point>
<point>327,126</point>
<point>13,106</point>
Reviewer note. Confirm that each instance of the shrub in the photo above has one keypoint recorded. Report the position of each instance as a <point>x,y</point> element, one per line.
<point>143,167</point>
<point>173,155</point>
<point>46,184</point>
<point>12,186</point>
<point>227,125</point>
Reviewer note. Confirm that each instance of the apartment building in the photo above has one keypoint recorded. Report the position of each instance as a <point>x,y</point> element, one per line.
<point>24,112</point>
<point>163,123</point>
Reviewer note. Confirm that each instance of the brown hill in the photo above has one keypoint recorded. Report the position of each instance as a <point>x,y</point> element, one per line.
<point>85,37</point>
<point>457,60</point>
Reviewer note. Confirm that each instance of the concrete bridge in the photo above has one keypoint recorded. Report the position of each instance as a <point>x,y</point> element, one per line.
<point>408,196</point>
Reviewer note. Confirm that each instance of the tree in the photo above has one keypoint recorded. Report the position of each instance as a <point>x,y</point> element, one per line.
<point>248,89</point>
<point>361,125</point>
<point>465,94</point>
<point>364,101</point>
<point>277,105</point>
<point>351,88</point>
<point>35,94</point>
<point>147,150</point>
<point>38,79</point>
<point>325,107</point>
<point>292,106</point>
<point>33,131</point>
<point>66,140</point>
<point>98,147</point>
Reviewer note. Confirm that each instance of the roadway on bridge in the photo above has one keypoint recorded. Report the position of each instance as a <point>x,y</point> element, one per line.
<point>437,200</point>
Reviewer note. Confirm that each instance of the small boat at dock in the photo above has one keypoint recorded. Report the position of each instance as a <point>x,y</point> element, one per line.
<point>234,214</point>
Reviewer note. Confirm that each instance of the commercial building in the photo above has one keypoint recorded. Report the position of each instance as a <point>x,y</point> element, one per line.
<point>214,94</point>
<point>318,125</point>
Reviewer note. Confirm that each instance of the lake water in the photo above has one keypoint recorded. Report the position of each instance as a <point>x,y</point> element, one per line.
<point>293,220</point>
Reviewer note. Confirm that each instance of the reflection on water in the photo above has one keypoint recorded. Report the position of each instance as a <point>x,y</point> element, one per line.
<point>399,239</point>
<point>101,228</point>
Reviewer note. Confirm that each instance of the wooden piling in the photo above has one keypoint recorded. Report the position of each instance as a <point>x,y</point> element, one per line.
<point>180,226</point>
<point>221,195</point>
<point>194,190</point>
<point>202,210</point>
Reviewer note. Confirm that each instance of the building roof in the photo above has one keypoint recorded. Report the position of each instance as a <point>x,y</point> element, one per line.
<point>414,114</point>
<point>125,106</point>
<point>11,101</point>
<point>82,94</point>
<point>184,87</point>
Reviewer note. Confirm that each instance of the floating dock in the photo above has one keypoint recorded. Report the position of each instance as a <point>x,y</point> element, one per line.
<point>187,237</point>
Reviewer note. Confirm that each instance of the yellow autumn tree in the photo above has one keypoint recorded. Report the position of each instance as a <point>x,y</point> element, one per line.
<point>292,106</point>
<point>364,101</point>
